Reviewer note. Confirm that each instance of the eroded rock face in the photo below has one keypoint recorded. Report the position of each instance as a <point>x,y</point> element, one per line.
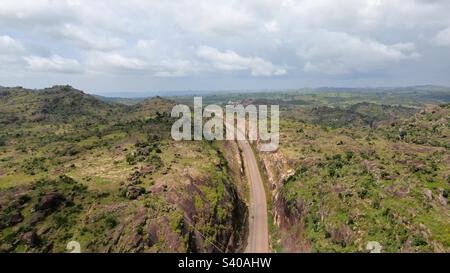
<point>153,236</point>
<point>287,216</point>
<point>169,216</point>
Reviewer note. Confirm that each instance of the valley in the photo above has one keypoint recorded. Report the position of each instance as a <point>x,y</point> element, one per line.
<point>354,166</point>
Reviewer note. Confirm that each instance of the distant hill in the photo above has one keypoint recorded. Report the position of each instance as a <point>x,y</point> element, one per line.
<point>125,101</point>
<point>430,126</point>
<point>55,104</point>
<point>421,88</point>
<point>376,112</point>
<point>155,104</point>
<point>357,115</point>
<point>337,117</point>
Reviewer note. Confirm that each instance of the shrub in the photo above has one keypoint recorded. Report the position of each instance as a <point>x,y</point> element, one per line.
<point>73,151</point>
<point>24,199</point>
<point>331,172</point>
<point>131,158</point>
<point>403,134</point>
<point>445,193</point>
<point>418,240</point>
<point>349,155</point>
<point>110,221</point>
<point>31,166</point>
<point>61,220</point>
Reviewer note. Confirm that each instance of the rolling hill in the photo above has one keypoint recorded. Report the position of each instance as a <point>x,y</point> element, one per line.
<point>73,167</point>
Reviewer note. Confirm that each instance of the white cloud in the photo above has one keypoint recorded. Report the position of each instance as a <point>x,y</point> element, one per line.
<point>101,63</point>
<point>340,53</point>
<point>442,38</point>
<point>231,61</point>
<point>54,63</point>
<point>10,46</point>
<point>11,52</point>
<point>261,37</point>
<point>210,18</point>
<point>86,39</point>
<point>28,14</point>
<point>175,68</point>
<point>114,62</point>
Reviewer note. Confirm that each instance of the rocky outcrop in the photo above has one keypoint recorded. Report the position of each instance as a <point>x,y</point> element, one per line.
<point>287,216</point>
<point>133,192</point>
<point>30,238</point>
<point>50,202</point>
<point>11,220</point>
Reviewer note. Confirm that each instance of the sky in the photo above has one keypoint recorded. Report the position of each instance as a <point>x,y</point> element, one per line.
<point>137,46</point>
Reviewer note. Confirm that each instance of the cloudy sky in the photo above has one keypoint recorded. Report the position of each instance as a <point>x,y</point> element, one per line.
<point>128,47</point>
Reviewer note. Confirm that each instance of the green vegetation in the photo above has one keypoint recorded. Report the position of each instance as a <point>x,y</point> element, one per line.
<point>356,166</point>
<point>353,166</point>
<point>380,176</point>
<point>110,177</point>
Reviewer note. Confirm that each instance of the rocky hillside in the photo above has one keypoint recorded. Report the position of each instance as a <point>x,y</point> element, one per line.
<point>335,189</point>
<point>52,105</point>
<point>109,176</point>
<point>363,114</point>
<point>431,127</point>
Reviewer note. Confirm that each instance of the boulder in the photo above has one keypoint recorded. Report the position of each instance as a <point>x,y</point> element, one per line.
<point>13,219</point>
<point>428,194</point>
<point>30,239</point>
<point>36,217</point>
<point>442,199</point>
<point>51,201</point>
<point>153,237</point>
<point>133,192</point>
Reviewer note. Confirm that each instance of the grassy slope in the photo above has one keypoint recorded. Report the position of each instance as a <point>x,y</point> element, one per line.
<point>350,184</point>
<point>94,153</point>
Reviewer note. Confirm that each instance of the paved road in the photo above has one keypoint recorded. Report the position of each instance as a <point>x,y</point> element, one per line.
<point>258,235</point>
<point>258,231</point>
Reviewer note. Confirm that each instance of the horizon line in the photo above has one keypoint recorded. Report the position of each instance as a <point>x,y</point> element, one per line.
<point>191,92</point>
